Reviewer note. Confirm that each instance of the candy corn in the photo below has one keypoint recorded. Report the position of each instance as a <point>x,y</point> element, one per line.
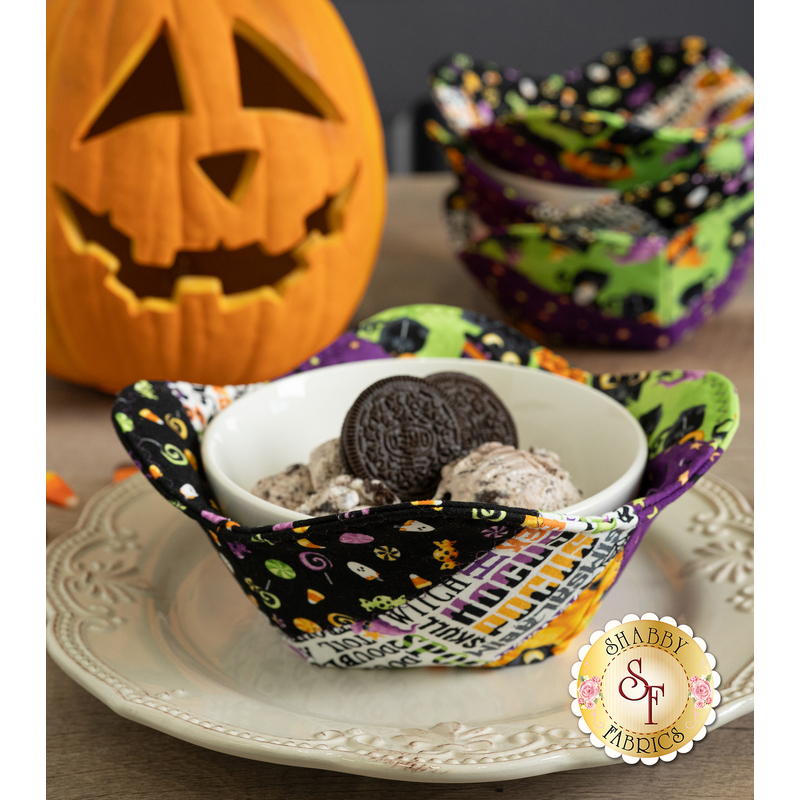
<point>307,543</point>
<point>59,493</point>
<point>120,473</point>
<point>419,583</point>
<point>306,625</point>
<point>314,596</point>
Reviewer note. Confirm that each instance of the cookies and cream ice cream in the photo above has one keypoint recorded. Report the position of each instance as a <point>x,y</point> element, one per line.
<point>396,442</point>
<point>502,474</point>
<point>325,463</point>
<point>323,486</point>
<point>347,493</point>
<point>491,473</point>
<point>289,488</point>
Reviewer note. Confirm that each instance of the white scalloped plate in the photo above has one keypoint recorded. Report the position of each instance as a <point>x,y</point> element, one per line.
<point>143,614</point>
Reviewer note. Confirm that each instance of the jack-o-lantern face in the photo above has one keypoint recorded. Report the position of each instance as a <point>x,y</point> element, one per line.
<point>215,187</point>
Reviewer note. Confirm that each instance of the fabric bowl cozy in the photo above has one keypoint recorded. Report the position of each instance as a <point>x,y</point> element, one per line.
<point>612,204</point>
<point>425,583</point>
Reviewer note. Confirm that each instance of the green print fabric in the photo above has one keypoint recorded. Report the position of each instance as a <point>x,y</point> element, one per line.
<point>654,141</point>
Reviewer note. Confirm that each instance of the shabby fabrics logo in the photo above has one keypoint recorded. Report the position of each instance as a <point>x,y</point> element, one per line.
<point>645,688</point>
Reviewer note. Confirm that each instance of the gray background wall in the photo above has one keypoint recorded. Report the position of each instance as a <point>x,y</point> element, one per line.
<point>400,39</point>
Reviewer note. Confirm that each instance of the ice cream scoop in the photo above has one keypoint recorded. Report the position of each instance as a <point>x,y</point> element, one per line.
<point>502,474</point>
<point>325,463</point>
<point>288,488</point>
<point>347,493</point>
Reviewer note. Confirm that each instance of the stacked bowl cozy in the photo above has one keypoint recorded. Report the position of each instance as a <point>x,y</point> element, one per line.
<point>611,204</point>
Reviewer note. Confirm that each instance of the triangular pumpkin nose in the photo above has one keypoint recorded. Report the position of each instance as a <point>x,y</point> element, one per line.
<point>230,172</point>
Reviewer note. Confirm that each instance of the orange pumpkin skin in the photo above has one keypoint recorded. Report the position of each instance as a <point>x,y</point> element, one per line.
<point>145,174</point>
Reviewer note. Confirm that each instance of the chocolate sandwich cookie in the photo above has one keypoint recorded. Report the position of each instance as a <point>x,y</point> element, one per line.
<point>401,431</point>
<point>482,414</point>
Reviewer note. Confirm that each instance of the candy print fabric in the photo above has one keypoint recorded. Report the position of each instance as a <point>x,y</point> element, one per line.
<point>424,583</point>
<point>666,127</point>
<point>637,113</point>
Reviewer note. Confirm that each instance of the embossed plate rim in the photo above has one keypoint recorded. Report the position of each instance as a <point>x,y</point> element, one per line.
<point>447,752</point>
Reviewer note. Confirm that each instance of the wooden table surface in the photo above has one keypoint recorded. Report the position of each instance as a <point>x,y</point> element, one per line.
<point>94,753</point>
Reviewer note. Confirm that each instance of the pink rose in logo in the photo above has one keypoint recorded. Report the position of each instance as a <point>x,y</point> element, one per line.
<point>588,692</point>
<point>701,690</point>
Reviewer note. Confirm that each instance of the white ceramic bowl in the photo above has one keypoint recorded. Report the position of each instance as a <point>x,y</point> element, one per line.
<point>563,196</point>
<point>600,443</point>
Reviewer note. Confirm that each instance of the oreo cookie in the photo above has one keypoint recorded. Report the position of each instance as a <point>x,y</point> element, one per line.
<point>401,430</point>
<point>482,414</point>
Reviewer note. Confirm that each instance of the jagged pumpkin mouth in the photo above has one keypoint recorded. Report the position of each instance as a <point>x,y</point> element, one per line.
<point>238,270</point>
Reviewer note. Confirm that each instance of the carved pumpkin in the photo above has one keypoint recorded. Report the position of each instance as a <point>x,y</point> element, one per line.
<point>216,187</point>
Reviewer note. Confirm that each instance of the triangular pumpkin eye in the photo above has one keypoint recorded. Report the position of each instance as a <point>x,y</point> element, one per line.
<point>270,79</point>
<point>152,88</point>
